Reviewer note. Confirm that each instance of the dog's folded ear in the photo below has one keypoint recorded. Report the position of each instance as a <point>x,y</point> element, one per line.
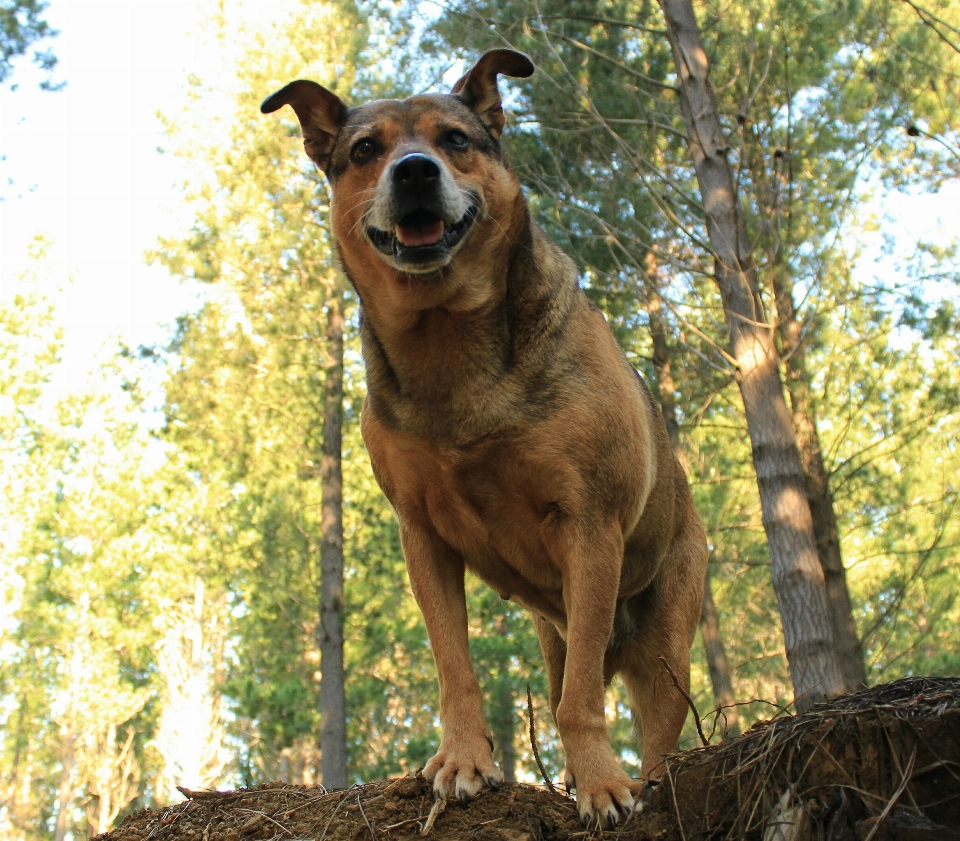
<point>320,112</point>
<point>478,89</point>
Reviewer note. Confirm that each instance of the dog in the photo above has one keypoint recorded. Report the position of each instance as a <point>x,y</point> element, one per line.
<point>508,430</point>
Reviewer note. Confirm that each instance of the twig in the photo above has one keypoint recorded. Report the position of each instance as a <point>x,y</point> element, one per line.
<point>343,799</point>
<point>438,806</point>
<point>291,809</point>
<point>402,823</point>
<point>908,771</point>
<point>682,691</point>
<point>363,814</point>
<point>533,744</point>
<point>673,793</point>
<point>208,794</point>
<point>264,815</point>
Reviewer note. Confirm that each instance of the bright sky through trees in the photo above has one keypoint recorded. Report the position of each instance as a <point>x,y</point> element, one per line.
<point>81,166</point>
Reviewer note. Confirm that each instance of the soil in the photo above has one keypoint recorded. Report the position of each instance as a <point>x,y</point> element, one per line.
<point>880,765</point>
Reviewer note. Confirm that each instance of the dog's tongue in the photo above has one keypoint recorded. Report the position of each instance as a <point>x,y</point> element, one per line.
<point>426,234</point>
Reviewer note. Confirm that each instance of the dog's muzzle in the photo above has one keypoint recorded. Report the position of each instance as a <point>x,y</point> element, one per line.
<point>423,234</point>
<point>422,224</point>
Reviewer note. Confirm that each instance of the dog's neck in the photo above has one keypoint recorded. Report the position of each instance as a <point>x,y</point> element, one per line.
<point>449,372</point>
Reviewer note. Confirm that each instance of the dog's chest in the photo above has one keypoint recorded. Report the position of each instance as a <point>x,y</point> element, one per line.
<point>489,507</point>
<point>488,502</point>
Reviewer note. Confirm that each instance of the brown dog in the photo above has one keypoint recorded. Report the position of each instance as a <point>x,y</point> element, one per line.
<point>508,430</point>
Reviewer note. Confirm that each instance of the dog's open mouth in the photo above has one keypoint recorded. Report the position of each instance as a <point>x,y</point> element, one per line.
<point>421,236</point>
<point>419,228</point>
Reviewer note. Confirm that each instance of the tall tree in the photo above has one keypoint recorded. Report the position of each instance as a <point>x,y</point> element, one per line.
<point>333,712</point>
<point>826,530</point>
<point>797,574</point>
<point>287,427</point>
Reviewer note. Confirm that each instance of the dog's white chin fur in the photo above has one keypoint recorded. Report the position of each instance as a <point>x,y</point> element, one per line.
<point>416,268</point>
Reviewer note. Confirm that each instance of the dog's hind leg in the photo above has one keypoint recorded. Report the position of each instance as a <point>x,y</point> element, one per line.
<point>666,615</point>
<point>554,656</point>
<point>659,709</point>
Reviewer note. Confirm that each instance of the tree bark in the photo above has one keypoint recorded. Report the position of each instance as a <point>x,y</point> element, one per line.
<point>847,642</point>
<point>797,575</point>
<point>65,793</point>
<point>504,718</point>
<point>333,723</point>
<point>503,724</point>
<point>720,674</point>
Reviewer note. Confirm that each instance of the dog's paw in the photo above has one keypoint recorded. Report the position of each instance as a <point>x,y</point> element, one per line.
<point>607,799</point>
<point>462,768</point>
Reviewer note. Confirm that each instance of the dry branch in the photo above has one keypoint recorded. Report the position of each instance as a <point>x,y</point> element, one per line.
<point>533,743</point>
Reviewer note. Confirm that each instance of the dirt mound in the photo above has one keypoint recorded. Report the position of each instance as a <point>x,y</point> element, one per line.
<point>880,765</point>
<point>398,809</point>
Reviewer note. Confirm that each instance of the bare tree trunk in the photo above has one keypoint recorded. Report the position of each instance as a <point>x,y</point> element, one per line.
<point>503,718</point>
<point>65,794</point>
<point>797,576</point>
<point>720,675</point>
<point>503,725</point>
<point>825,528</point>
<point>333,722</point>
<point>663,364</point>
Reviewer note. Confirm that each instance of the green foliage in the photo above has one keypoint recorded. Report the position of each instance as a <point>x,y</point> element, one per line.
<point>107,523</point>
<point>87,567</point>
<point>21,25</point>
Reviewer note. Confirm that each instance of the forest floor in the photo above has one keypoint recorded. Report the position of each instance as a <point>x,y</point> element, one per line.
<point>880,765</point>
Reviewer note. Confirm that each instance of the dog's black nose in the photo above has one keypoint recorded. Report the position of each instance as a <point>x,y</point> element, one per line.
<point>415,171</point>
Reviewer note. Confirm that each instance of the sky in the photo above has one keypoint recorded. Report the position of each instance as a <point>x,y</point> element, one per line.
<point>81,167</point>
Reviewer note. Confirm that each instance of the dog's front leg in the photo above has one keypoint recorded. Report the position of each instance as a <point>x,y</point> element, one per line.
<point>464,763</point>
<point>591,575</point>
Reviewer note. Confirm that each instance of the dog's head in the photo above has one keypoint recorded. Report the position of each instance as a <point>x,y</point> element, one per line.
<point>412,180</point>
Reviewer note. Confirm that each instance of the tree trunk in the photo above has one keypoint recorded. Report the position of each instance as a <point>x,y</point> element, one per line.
<point>503,717</point>
<point>720,675</point>
<point>503,725</point>
<point>333,724</point>
<point>825,528</point>
<point>797,576</point>
<point>65,794</point>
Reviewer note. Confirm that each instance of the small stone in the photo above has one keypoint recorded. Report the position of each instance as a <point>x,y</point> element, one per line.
<point>252,825</point>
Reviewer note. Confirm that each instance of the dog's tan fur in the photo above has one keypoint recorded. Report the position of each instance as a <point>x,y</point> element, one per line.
<point>512,437</point>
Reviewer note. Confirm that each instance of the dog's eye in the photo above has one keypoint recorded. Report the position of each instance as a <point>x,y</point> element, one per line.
<point>456,139</point>
<point>363,150</point>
